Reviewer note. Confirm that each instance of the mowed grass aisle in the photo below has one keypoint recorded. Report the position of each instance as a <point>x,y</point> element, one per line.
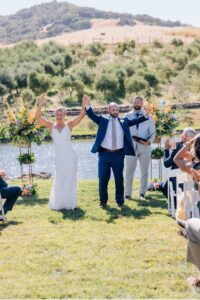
<point>133,252</point>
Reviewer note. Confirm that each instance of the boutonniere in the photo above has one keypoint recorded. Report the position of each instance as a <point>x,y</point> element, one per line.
<point>121,121</point>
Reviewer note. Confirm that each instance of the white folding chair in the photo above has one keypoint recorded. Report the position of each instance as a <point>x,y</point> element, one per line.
<point>171,192</point>
<point>2,214</point>
<point>195,204</point>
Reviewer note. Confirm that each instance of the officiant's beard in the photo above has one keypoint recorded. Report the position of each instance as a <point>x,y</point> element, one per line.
<point>137,107</point>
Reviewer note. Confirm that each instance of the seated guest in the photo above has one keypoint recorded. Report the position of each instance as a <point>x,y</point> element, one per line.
<point>169,154</point>
<point>191,230</point>
<point>185,164</point>
<point>9,193</point>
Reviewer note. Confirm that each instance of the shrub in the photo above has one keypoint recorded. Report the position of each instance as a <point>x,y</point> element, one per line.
<point>151,79</point>
<point>97,49</point>
<point>157,44</point>
<point>136,84</point>
<point>177,42</point>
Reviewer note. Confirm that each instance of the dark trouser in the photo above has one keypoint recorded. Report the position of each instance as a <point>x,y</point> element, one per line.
<point>114,161</point>
<point>10,194</point>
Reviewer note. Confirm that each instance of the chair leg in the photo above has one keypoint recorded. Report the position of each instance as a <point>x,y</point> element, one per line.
<point>2,211</point>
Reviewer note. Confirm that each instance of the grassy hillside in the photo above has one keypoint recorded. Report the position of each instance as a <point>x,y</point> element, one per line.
<point>54,18</point>
<point>132,253</point>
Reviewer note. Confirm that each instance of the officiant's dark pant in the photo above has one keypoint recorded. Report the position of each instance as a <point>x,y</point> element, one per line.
<point>10,194</point>
<point>114,161</point>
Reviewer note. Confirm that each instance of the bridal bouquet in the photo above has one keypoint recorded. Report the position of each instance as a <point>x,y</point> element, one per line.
<point>165,118</point>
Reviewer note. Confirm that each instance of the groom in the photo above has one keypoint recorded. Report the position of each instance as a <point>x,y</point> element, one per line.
<point>113,141</point>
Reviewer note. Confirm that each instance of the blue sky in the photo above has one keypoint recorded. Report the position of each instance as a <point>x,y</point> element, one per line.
<point>187,11</point>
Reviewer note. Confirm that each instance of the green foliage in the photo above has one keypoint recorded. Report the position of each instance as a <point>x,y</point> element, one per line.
<point>97,49</point>
<point>27,96</point>
<point>3,90</point>
<point>157,44</point>
<point>107,82</point>
<point>38,83</point>
<point>68,60</point>
<point>91,62</point>
<point>26,158</point>
<point>151,79</point>
<point>177,42</point>
<point>86,76</point>
<point>157,153</point>
<point>122,47</point>
<point>136,84</point>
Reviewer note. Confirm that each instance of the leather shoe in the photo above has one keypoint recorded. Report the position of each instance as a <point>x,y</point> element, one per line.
<point>128,197</point>
<point>102,205</point>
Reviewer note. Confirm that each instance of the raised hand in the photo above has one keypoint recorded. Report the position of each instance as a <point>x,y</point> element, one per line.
<point>86,100</point>
<point>195,174</point>
<point>2,173</point>
<point>41,99</point>
<point>148,110</point>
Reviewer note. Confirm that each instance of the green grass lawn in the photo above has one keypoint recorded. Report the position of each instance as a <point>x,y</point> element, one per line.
<point>133,252</point>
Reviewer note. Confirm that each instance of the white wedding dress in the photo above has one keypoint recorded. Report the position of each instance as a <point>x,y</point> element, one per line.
<point>63,192</point>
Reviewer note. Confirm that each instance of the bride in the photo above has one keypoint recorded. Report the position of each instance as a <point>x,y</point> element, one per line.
<point>63,192</point>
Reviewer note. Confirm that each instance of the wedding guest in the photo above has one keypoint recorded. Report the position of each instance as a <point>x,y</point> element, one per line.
<point>10,193</point>
<point>191,230</point>
<point>169,154</point>
<point>185,164</point>
<point>147,132</point>
<point>113,140</point>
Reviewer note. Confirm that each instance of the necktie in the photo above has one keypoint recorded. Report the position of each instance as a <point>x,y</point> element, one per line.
<point>114,136</point>
<point>137,115</point>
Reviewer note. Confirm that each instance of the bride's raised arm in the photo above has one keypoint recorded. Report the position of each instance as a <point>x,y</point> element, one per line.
<point>74,122</point>
<point>38,114</point>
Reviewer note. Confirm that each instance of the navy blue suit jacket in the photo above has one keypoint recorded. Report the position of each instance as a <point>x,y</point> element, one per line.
<point>102,122</point>
<point>169,159</point>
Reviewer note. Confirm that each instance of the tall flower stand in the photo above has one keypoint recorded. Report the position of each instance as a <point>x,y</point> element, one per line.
<point>26,157</point>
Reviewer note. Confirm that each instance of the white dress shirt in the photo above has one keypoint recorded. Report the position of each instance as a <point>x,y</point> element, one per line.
<point>107,142</point>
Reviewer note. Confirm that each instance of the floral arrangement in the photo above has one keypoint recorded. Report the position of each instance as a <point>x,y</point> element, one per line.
<point>165,119</point>
<point>26,158</point>
<point>29,190</point>
<point>157,153</point>
<point>21,127</point>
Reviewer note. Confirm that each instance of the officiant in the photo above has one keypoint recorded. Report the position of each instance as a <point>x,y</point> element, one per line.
<point>143,135</point>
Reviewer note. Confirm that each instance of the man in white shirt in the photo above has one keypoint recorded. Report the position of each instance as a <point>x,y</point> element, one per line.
<point>147,132</point>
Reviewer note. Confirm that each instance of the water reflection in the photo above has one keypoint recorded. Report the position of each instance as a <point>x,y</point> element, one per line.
<point>87,168</point>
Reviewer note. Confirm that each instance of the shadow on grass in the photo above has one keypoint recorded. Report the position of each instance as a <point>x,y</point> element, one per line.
<point>154,200</point>
<point>31,201</point>
<point>126,211</point>
<point>7,224</point>
<point>74,215</point>
<point>67,214</point>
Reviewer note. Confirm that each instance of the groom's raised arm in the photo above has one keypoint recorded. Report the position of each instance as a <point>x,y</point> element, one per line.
<point>137,120</point>
<point>89,110</point>
<point>92,115</point>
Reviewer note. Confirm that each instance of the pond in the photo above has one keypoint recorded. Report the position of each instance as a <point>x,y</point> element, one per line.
<point>87,167</point>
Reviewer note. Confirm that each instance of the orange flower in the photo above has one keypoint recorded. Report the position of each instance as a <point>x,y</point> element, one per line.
<point>30,117</point>
<point>168,109</point>
<point>12,116</point>
<point>155,118</point>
